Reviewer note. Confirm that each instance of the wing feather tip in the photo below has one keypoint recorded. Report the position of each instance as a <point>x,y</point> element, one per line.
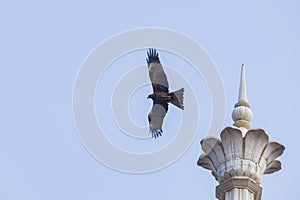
<point>156,134</point>
<point>152,56</point>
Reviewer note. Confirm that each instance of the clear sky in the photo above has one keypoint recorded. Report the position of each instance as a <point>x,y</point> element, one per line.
<point>43,44</point>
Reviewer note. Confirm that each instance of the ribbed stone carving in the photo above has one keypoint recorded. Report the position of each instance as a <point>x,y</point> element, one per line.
<point>234,155</point>
<point>242,113</point>
<point>242,155</point>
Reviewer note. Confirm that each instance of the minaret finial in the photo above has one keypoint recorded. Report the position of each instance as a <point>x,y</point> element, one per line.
<point>242,114</point>
<point>243,89</point>
<point>240,156</point>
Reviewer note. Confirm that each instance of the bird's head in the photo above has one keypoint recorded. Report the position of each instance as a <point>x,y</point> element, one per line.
<point>151,96</point>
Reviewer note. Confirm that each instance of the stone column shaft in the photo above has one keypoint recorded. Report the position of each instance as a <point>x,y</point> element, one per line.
<point>238,194</point>
<point>238,188</point>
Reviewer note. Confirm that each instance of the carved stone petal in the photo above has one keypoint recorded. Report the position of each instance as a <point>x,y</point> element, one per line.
<point>214,150</point>
<point>255,142</point>
<point>206,163</point>
<point>274,166</point>
<point>232,140</point>
<point>208,144</point>
<point>273,150</point>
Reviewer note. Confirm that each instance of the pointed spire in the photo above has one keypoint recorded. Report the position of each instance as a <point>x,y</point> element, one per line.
<point>242,114</point>
<point>242,100</point>
<point>243,89</point>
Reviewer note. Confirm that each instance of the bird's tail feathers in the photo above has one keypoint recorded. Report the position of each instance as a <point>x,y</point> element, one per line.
<point>177,98</point>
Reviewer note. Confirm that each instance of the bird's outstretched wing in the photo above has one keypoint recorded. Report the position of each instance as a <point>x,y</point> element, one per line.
<point>156,117</point>
<point>156,73</point>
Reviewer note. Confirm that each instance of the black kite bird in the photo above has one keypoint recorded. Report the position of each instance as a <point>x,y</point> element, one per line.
<point>161,96</point>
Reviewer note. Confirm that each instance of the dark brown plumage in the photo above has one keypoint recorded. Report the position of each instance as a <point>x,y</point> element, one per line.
<point>160,96</point>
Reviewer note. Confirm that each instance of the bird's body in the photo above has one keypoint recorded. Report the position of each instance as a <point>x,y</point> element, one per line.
<point>160,96</point>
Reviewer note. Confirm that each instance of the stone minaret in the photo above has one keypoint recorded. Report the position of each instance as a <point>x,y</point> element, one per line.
<point>242,154</point>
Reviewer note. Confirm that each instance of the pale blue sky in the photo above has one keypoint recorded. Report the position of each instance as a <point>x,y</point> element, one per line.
<point>42,45</point>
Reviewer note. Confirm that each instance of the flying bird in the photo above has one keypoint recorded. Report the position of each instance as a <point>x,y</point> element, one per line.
<point>160,96</point>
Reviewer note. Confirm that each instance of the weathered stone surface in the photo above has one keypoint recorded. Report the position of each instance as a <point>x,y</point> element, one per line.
<point>250,156</point>
<point>238,188</point>
<point>240,158</point>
